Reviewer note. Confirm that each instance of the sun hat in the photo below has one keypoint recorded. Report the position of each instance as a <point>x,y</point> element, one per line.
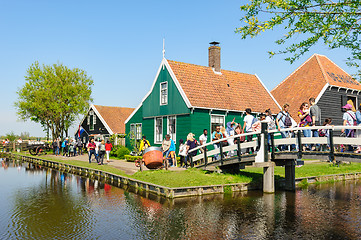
<point>347,106</point>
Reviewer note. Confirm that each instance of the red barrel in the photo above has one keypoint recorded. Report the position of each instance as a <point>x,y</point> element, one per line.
<point>153,157</point>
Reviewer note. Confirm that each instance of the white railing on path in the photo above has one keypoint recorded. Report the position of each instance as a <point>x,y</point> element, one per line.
<point>282,141</point>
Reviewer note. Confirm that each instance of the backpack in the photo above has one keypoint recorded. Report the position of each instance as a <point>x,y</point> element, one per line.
<point>63,144</point>
<point>287,122</point>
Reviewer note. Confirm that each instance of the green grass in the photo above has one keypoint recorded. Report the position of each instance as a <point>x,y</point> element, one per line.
<point>197,177</point>
<point>189,177</point>
<point>313,169</point>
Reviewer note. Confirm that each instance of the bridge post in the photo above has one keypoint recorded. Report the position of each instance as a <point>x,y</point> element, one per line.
<point>290,176</point>
<point>269,168</point>
<point>299,143</point>
<point>205,156</point>
<point>239,149</point>
<point>332,146</point>
<point>273,147</point>
<point>221,152</point>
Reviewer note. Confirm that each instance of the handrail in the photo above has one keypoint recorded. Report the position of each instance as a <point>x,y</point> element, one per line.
<point>275,131</point>
<point>224,139</point>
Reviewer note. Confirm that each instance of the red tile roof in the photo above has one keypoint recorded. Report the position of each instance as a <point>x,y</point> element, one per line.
<point>308,80</point>
<point>114,116</point>
<point>230,90</point>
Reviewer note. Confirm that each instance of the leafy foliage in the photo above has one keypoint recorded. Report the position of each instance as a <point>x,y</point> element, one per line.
<point>119,152</point>
<point>54,95</point>
<point>11,136</point>
<point>336,23</point>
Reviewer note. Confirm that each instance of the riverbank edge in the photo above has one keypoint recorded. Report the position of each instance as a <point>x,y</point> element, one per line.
<point>176,192</point>
<point>121,181</point>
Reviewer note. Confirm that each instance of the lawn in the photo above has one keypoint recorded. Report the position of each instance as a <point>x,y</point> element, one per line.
<point>197,177</point>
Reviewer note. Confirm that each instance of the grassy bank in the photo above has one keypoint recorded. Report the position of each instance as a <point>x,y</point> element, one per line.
<point>197,177</point>
<point>313,169</point>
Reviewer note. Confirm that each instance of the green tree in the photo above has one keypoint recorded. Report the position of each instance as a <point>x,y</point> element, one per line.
<point>335,23</point>
<point>53,95</point>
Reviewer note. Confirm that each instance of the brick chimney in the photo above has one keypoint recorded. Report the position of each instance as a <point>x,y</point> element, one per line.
<point>214,56</point>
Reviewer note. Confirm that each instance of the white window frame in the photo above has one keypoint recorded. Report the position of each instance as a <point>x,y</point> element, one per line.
<point>132,129</point>
<point>216,115</point>
<point>138,134</point>
<point>156,141</point>
<point>88,120</point>
<point>94,119</point>
<point>160,97</point>
<point>173,136</point>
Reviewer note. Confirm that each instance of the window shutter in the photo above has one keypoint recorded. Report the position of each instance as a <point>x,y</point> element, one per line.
<point>88,120</point>
<point>94,119</point>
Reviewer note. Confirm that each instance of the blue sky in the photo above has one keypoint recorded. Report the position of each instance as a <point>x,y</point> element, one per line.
<point>119,44</point>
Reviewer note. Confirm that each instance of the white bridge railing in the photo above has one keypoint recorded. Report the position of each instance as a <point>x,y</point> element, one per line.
<point>260,142</point>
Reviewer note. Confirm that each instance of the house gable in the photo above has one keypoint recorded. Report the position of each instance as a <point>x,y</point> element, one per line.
<point>176,102</point>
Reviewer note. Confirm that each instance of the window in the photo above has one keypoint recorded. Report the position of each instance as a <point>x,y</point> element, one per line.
<point>353,99</point>
<point>216,120</point>
<point>88,120</point>
<point>94,119</point>
<point>138,131</point>
<point>91,127</point>
<point>171,127</point>
<point>132,131</point>
<point>158,130</point>
<point>164,93</point>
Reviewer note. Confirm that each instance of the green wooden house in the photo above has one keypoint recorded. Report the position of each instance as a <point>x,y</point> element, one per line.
<point>188,98</point>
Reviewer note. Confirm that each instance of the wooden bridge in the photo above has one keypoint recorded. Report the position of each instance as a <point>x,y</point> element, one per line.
<point>232,157</point>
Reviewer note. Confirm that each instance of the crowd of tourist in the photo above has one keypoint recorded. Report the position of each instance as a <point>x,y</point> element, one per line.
<point>309,114</point>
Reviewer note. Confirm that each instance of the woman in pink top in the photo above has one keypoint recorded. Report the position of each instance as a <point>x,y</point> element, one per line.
<point>108,148</point>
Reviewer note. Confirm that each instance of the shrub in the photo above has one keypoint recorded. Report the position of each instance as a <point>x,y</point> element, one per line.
<point>122,151</point>
<point>131,158</point>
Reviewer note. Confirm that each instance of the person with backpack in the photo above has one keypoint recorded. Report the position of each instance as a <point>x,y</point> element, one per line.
<point>65,146</point>
<point>349,119</point>
<point>101,152</point>
<point>79,145</point>
<point>283,120</point>
<point>249,120</point>
<point>358,121</point>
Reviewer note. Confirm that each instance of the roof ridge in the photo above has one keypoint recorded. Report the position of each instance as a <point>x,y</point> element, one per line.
<point>209,67</point>
<point>313,55</point>
<point>321,67</point>
<point>112,106</point>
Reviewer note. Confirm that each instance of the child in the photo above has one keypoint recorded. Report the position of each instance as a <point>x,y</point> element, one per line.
<point>182,153</point>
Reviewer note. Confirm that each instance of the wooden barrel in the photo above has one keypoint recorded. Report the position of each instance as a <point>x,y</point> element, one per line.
<point>153,157</point>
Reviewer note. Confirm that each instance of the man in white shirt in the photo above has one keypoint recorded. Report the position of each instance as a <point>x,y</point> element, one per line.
<point>203,139</point>
<point>247,127</point>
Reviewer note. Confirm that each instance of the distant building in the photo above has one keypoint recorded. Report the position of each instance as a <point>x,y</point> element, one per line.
<point>322,79</point>
<point>103,121</point>
<point>188,98</point>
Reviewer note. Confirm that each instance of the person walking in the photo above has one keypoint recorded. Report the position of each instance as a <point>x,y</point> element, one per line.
<point>248,120</point>
<point>91,149</point>
<point>54,145</point>
<point>182,153</point>
<point>358,131</point>
<point>191,143</point>
<point>305,121</point>
<point>108,148</point>
<point>203,139</point>
<point>349,119</point>
<point>283,120</point>
<point>216,135</point>
<point>315,114</point>
<point>65,146</point>
<point>79,145</point>
<point>101,150</point>
<point>58,143</point>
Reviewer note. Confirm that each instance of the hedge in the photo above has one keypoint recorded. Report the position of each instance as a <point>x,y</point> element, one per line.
<point>131,158</point>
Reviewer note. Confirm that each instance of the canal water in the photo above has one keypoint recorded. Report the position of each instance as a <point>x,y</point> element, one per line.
<point>37,203</point>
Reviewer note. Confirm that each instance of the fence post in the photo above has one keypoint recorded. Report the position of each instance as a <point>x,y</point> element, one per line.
<point>299,142</point>
<point>264,131</point>
<point>221,151</point>
<point>273,146</point>
<point>239,148</point>
<point>205,156</point>
<point>332,146</point>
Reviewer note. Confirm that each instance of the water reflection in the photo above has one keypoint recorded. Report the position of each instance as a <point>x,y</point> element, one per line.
<point>46,204</point>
